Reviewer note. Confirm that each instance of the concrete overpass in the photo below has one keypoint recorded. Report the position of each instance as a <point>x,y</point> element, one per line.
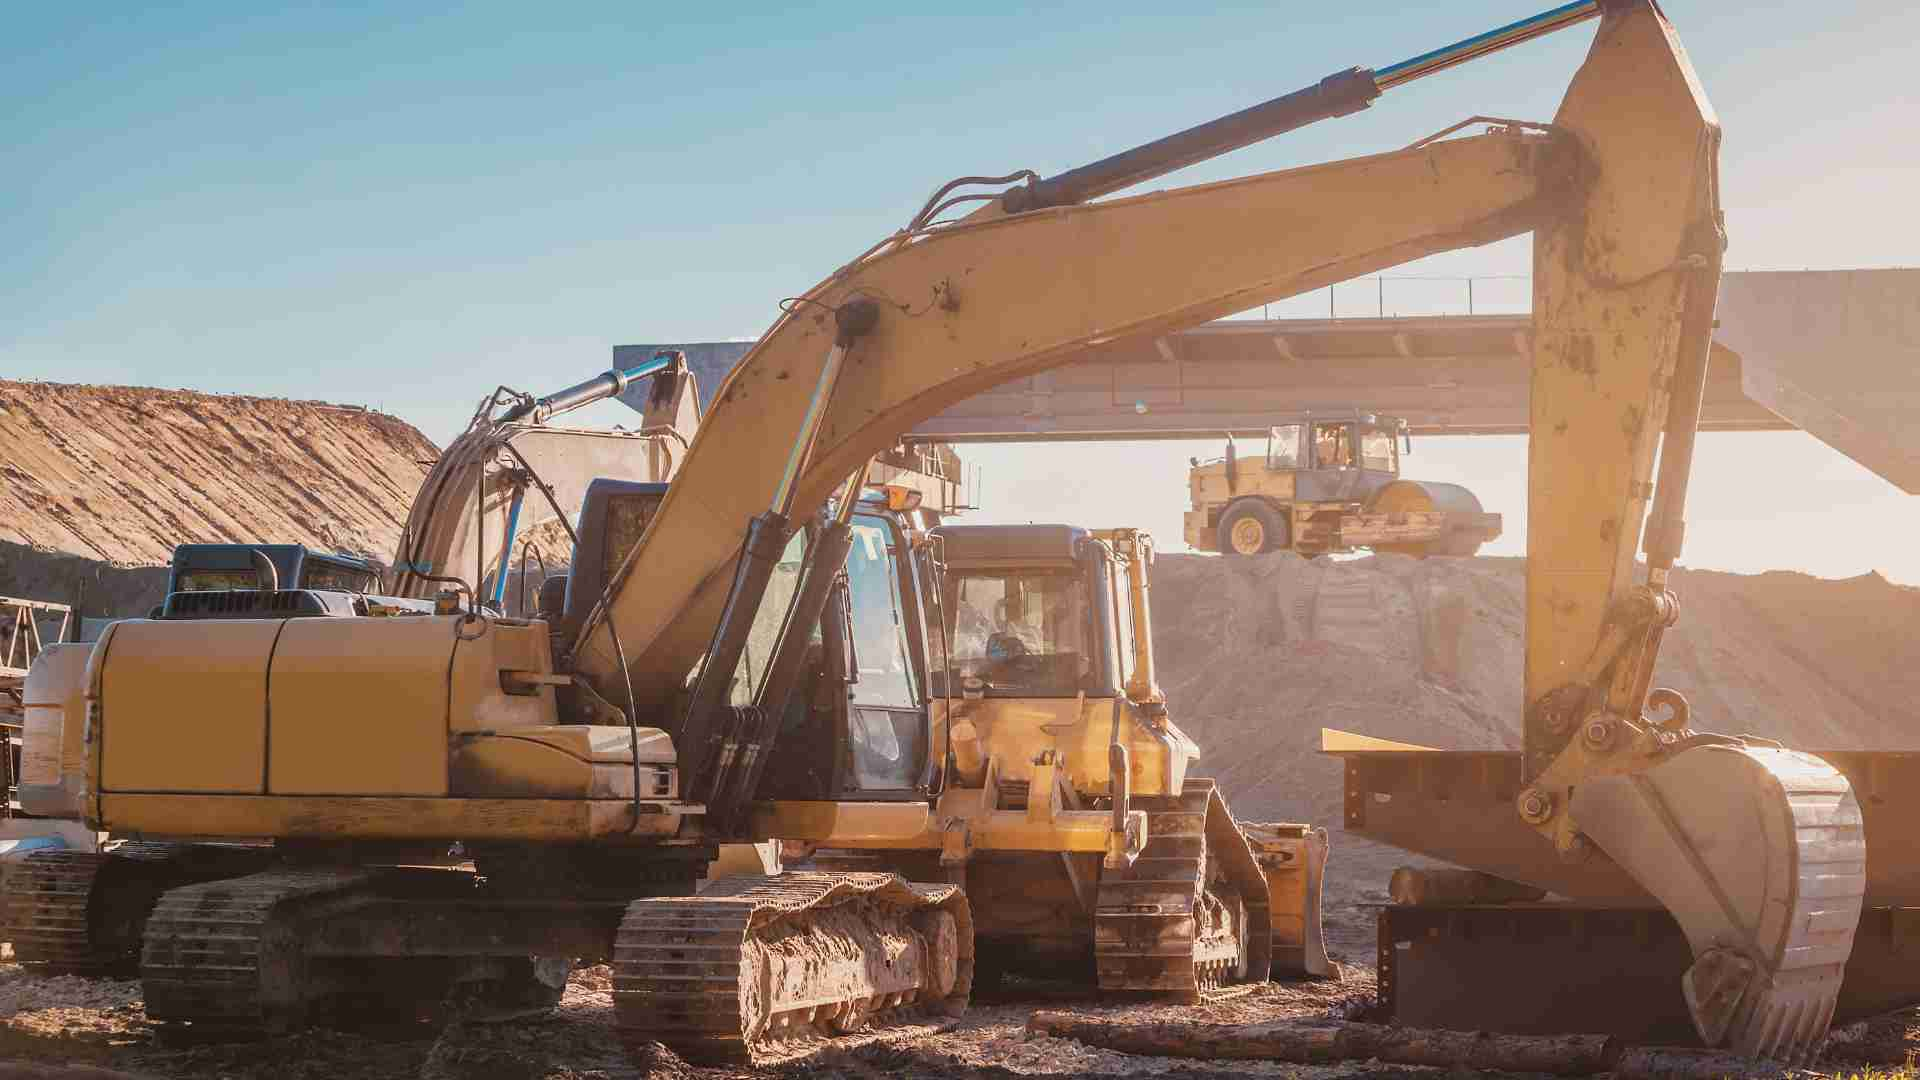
<point>1833,353</point>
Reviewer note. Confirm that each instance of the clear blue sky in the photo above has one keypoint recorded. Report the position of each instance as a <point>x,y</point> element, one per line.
<point>404,209</point>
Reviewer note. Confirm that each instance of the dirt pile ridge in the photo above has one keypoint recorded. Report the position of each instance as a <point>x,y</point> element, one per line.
<point>118,475</point>
<point>1257,655</point>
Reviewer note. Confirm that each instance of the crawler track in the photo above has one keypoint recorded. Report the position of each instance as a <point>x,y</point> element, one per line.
<point>84,911</point>
<point>1183,920</point>
<point>46,909</point>
<point>724,975</point>
<point>225,953</point>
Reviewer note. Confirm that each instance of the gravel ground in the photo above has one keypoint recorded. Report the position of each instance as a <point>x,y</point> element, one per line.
<point>70,1028</point>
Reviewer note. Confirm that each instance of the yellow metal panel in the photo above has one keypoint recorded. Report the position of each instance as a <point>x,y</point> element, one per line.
<point>861,824</point>
<point>568,761</point>
<point>1335,741</point>
<point>1016,729</point>
<point>362,818</point>
<point>479,702</point>
<point>183,705</point>
<point>360,706</point>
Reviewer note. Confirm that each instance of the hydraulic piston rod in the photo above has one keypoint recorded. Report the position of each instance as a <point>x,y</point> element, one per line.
<point>605,385</point>
<point>1336,95</point>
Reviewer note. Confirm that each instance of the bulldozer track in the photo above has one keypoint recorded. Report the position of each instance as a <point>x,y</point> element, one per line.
<point>754,962</point>
<point>1159,927</point>
<point>222,953</point>
<point>54,902</point>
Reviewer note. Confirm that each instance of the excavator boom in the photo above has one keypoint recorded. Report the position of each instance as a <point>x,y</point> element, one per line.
<point>968,306</point>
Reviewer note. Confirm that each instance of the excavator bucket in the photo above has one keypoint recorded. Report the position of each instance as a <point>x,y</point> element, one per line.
<point>1760,857</point>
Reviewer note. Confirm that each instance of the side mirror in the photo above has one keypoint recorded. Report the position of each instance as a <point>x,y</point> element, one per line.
<point>552,602</point>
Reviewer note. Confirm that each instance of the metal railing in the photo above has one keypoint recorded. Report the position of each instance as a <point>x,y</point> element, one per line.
<point>1404,295</point>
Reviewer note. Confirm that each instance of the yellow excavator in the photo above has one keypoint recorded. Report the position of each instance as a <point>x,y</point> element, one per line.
<point>593,776</point>
<point>1067,805</point>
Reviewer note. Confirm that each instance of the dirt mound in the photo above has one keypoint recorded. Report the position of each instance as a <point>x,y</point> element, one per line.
<point>120,474</point>
<point>1257,655</point>
<point>98,483</point>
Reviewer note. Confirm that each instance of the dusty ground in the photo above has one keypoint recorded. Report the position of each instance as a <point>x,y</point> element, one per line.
<point>65,1028</point>
<point>66,1021</point>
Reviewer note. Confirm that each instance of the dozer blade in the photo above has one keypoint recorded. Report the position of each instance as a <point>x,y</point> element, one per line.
<point>1293,859</point>
<point>1760,856</point>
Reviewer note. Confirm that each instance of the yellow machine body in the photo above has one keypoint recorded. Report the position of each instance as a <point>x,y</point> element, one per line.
<point>318,728</point>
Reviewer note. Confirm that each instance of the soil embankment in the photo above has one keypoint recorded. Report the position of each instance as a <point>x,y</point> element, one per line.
<point>98,481</point>
<point>1257,655</point>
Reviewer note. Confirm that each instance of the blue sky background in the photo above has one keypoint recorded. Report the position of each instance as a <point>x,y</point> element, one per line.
<point>402,208</point>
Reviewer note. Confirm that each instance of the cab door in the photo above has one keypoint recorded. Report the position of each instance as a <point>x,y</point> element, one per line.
<point>886,719</point>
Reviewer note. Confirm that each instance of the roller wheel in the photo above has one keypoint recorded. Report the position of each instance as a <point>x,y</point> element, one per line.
<point>1251,527</point>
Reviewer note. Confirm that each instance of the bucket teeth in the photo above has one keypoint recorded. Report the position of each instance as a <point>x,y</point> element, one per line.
<point>1760,855</point>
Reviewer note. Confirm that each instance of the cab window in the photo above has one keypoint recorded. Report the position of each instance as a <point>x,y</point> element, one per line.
<point>332,577</point>
<point>216,580</point>
<point>886,729</point>
<point>1123,622</point>
<point>1333,445</point>
<point>1376,450</point>
<point>1022,632</point>
<point>1283,447</point>
<point>879,633</point>
<point>765,633</point>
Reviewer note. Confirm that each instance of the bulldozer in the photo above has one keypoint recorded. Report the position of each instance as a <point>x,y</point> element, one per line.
<point>1330,484</point>
<point>1067,806</point>
<point>593,774</point>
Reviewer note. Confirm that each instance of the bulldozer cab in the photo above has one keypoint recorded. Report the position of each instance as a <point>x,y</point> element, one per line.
<point>1033,611</point>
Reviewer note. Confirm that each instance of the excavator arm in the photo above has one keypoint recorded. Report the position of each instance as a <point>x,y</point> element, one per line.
<point>1757,851</point>
<point>1621,192</point>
